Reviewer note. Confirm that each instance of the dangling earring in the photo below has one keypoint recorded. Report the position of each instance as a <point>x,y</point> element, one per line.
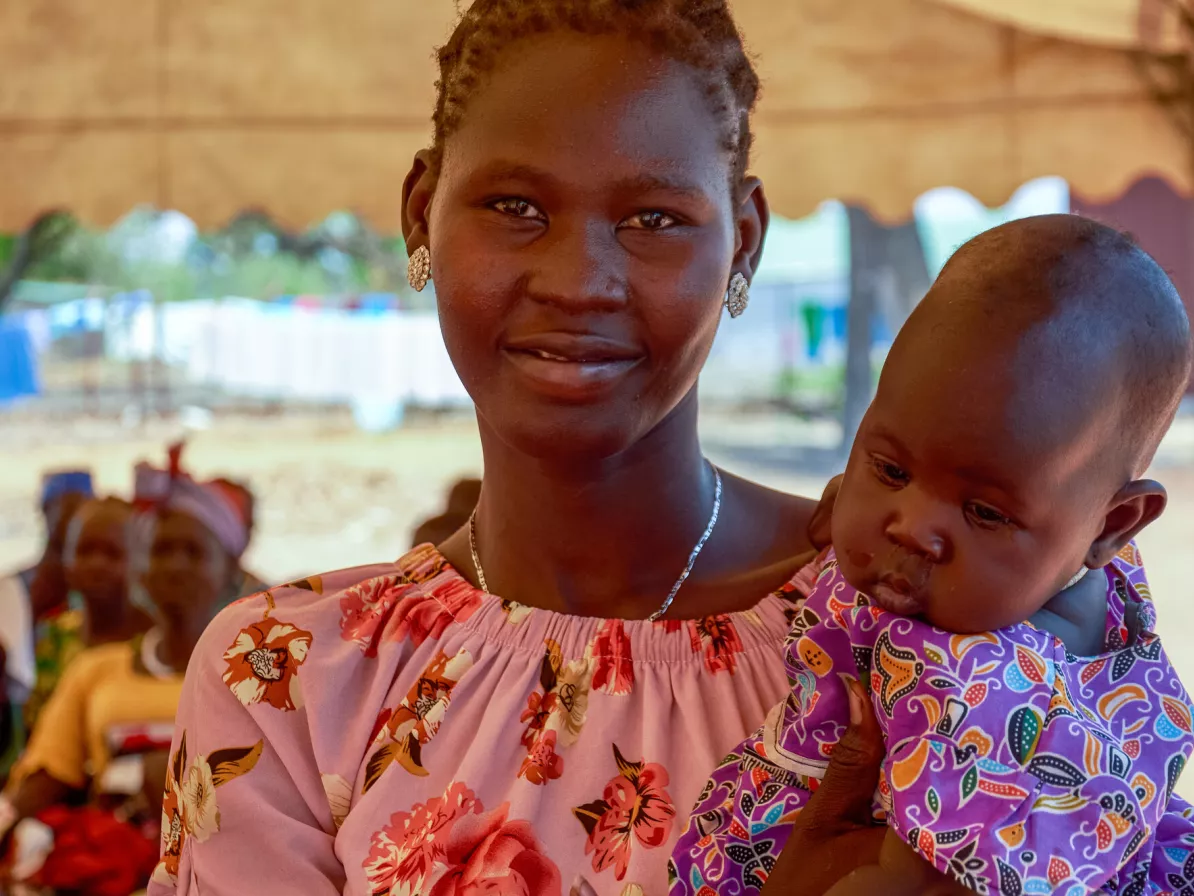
<point>418,269</point>
<point>737,296</point>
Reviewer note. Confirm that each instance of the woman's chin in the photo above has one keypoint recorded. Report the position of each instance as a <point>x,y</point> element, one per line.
<point>568,435</point>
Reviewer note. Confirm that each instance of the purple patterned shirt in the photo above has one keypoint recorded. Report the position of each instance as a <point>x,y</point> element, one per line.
<point>1012,765</point>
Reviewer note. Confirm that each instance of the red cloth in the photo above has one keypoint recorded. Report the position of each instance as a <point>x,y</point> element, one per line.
<point>95,853</point>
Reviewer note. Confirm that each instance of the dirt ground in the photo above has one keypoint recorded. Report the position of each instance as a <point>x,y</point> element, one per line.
<point>331,496</point>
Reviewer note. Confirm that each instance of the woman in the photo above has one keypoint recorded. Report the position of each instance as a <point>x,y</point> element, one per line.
<point>30,600</point>
<point>95,562</point>
<point>542,697</point>
<point>116,702</point>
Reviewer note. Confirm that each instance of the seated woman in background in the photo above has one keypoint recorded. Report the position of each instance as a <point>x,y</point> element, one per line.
<point>462,501</point>
<point>116,702</point>
<point>95,561</point>
<point>29,596</point>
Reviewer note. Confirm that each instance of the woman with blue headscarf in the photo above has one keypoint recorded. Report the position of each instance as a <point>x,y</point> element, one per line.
<point>29,596</point>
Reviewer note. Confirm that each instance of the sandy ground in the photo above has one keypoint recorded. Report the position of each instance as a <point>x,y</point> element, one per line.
<point>331,496</point>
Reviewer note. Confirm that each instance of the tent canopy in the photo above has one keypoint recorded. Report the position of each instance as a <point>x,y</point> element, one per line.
<point>302,107</point>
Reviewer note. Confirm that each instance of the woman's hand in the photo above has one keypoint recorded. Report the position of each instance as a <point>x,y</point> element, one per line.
<point>834,834</point>
<point>820,525</point>
<point>835,848</point>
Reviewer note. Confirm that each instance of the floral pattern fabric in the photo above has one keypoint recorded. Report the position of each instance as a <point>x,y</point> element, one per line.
<point>393,730</point>
<point>1011,764</point>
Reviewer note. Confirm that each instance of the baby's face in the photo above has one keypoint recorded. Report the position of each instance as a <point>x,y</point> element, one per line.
<point>967,502</point>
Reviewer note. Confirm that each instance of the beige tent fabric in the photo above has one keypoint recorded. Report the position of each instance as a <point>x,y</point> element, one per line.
<point>1152,24</point>
<point>302,107</point>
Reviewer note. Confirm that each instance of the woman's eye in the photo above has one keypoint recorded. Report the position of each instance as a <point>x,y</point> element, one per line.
<point>517,208</point>
<point>890,474</point>
<point>986,515</point>
<point>650,221</point>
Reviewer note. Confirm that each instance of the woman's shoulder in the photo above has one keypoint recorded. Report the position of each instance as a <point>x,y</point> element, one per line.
<point>762,514</point>
<point>347,608</point>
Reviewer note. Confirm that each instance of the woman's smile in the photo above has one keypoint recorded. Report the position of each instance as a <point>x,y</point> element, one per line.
<point>571,366</point>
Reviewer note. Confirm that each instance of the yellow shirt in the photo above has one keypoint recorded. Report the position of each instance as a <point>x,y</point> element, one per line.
<point>100,695</point>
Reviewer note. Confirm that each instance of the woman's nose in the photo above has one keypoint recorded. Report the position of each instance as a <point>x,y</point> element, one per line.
<point>582,267</point>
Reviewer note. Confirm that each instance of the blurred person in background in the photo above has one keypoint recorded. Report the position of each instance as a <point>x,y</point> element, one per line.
<point>96,562</point>
<point>462,500</point>
<point>101,737</point>
<point>247,502</point>
<point>31,596</point>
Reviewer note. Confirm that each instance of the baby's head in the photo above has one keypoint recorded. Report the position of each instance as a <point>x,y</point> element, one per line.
<point>96,554</point>
<point>1017,412</point>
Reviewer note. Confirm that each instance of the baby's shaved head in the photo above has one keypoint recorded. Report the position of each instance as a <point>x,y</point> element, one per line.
<point>1092,320</point>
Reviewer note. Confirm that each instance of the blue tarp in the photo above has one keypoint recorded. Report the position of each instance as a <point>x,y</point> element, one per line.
<point>18,362</point>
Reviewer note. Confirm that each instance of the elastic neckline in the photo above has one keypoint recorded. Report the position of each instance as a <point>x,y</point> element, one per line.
<point>515,625</point>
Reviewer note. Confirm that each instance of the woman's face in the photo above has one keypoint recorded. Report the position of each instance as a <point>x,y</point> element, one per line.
<point>189,573</point>
<point>97,556</point>
<point>583,231</point>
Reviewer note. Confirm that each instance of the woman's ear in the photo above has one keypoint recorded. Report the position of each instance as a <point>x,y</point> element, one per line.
<point>1135,506</point>
<point>417,190</point>
<point>754,217</point>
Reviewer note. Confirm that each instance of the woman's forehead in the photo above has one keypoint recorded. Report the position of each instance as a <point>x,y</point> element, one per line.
<point>590,108</point>
<point>177,525</point>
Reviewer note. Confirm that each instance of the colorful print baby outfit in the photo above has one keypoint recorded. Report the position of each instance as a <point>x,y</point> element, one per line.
<point>1011,764</point>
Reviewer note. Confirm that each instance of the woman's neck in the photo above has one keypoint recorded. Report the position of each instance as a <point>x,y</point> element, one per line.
<point>117,623</point>
<point>599,538</point>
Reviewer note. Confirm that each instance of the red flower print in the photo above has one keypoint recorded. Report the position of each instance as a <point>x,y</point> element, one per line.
<point>718,638</point>
<point>427,615</point>
<point>540,706</point>
<point>403,734</point>
<point>490,856</point>
<point>364,607</point>
<point>613,666</point>
<point>634,806</point>
<point>382,717</point>
<point>405,853</point>
<point>263,662</point>
<point>542,764</point>
<point>174,835</point>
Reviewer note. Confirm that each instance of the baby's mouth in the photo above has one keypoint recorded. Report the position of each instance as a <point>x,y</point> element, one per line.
<point>903,586</point>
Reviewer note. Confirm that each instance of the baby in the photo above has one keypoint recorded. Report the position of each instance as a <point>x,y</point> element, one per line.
<point>1034,727</point>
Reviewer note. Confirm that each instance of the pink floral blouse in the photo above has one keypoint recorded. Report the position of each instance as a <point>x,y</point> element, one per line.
<point>393,730</point>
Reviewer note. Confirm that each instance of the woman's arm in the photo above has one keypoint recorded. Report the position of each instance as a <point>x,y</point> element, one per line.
<point>244,809</point>
<point>54,763</point>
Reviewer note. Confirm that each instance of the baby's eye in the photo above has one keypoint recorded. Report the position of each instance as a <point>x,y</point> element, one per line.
<point>652,220</point>
<point>986,515</point>
<point>517,208</point>
<point>890,474</point>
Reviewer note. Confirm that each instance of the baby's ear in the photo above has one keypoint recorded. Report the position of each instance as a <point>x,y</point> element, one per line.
<point>1135,506</point>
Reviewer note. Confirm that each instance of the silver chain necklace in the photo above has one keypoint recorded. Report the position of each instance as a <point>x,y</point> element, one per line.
<point>696,551</point>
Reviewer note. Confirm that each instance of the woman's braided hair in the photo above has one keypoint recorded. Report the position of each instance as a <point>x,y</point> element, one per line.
<point>698,33</point>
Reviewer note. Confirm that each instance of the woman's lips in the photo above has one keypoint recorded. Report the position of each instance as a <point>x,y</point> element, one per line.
<point>571,366</point>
